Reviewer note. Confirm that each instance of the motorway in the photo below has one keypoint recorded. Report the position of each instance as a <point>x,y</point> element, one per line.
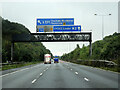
<point>60,75</point>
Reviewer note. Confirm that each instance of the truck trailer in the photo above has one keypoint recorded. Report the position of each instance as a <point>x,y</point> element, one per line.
<point>56,60</point>
<point>47,59</point>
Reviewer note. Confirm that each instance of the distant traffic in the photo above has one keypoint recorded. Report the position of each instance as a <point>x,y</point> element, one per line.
<point>48,59</point>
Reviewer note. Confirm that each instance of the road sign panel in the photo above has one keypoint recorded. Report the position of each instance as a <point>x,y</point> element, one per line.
<point>66,28</point>
<point>47,28</point>
<point>55,21</point>
<point>41,29</point>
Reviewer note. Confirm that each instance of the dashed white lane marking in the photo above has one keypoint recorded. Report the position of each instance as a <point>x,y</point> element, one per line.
<point>76,72</point>
<point>44,70</point>
<point>70,69</point>
<point>86,79</point>
<point>41,74</point>
<point>34,81</point>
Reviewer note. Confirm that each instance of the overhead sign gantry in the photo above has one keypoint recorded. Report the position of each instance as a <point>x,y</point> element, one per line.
<point>54,30</point>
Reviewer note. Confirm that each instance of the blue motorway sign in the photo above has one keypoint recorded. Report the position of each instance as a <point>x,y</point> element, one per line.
<point>67,28</point>
<point>55,21</point>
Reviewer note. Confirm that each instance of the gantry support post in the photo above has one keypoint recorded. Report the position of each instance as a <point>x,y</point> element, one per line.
<point>12,51</point>
<point>90,48</point>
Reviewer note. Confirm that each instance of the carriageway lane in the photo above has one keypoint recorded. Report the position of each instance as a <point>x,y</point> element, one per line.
<point>98,78</point>
<point>61,75</point>
<point>22,78</point>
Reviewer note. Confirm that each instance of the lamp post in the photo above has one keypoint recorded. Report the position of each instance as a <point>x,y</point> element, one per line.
<point>102,23</point>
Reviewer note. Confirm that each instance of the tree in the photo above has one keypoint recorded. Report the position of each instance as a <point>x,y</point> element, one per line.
<point>78,46</point>
<point>22,51</point>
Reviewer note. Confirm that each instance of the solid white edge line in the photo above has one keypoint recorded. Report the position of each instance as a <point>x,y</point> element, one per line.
<point>98,68</point>
<point>17,71</point>
<point>34,81</point>
<point>86,79</point>
<point>4,75</point>
<point>76,72</point>
<point>13,72</point>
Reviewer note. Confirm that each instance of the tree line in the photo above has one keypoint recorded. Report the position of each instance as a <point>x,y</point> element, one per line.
<point>23,51</point>
<point>106,49</point>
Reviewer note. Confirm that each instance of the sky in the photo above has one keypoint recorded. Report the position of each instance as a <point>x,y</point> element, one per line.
<point>26,13</point>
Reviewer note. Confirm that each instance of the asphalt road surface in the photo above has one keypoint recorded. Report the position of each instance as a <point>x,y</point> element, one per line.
<point>60,75</point>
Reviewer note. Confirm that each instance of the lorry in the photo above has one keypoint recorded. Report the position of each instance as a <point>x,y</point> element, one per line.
<point>47,59</point>
<point>56,60</point>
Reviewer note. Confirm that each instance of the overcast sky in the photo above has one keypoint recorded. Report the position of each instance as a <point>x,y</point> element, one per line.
<point>26,13</point>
